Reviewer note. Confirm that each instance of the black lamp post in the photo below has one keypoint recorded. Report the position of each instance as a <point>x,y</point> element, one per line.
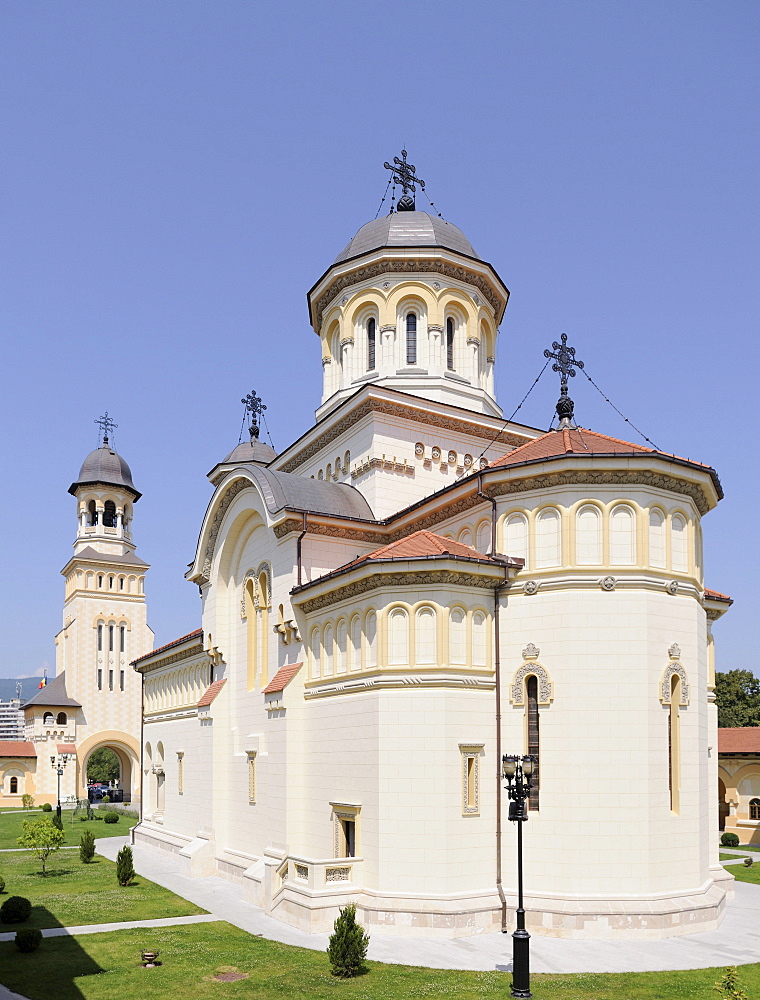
<point>518,771</point>
<point>58,764</point>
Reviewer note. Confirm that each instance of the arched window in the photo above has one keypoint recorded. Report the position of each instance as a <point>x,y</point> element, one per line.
<point>14,786</point>
<point>122,638</point>
<point>657,551</point>
<point>516,537</point>
<point>450,344</point>
<point>411,338</point>
<point>61,719</point>
<point>109,514</point>
<point>531,709</point>
<point>92,513</point>
<point>398,637</point>
<point>548,538</point>
<point>100,637</point>
<point>356,643</point>
<point>110,638</point>
<point>328,647</point>
<point>465,537</point>
<point>371,328</point>
<point>342,643</point>
<point>678,544</point>
<point>588,536</point>
<point>315,658</point>
<point>622,536</point>
<point>425,646</point>
<point>754,808</point>
<point>484,537</point>
<point>370,628</point>
<point>457,636</point>
<point>479,639</point>
<point>47,719</point>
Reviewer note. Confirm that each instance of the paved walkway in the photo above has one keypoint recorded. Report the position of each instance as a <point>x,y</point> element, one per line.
<point>736,942</point>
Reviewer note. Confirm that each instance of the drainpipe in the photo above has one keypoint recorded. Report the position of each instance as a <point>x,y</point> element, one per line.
<point>298,548</point>
<point>497,669</point>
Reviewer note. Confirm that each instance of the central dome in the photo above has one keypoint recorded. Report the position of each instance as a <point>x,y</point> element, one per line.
<point>407,229</point>
<point>105,466</point>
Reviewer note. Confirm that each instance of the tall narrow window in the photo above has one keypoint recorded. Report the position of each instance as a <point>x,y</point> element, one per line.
<point>370,626</point>
<point>122,638</point>
<point>328,663</point>
<point>110,680</point>
<point>341,636</point>
<point>754,808</point>
<point>249,599</point>
<point>450,344</point>
<point>588,536</point>
<point>622,537</point>
<point>457,636</point>
<point>92,513</point>
<point>109,514</point>
<point>531,690</point>
<point>316,654</point>
<point>678,544</point>
<point>100,679</point>
<point>251,755</point>
<point>180,773</point>
<point>356,643</point>
<point>470,779</point>
<point>110,638</point>
<point>411,339</point>
<point>14,786</point>
<point>424,636</point>
<point>371,326</point>
<point>548,538</point>
<point>516,540</point>
<point>657,551</point>
<point>479,639</point>
<point>398,637</point>
<point>121,680</point>
<point>674,744</point>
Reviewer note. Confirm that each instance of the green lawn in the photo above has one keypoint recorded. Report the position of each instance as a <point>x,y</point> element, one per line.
<point>106,967</point>
<point>742,874</point>
<point>10,827</point>
<point>741,847</point>
<point>75,893</point>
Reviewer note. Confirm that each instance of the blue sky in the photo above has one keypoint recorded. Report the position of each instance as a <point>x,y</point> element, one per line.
<point>176,175</point>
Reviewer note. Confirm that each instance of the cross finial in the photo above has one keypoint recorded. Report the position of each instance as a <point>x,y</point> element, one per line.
<point>564,360</point>
<point>255,408</point>
<point>107,424</point>
<point>404,174</point>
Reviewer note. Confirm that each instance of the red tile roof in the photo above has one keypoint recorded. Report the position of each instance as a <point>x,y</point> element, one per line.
<point>211,692</point>
<point>66,748</point>
<point>746,740</point>
<point>283,677</point>
<point>715,595</point>
<point>554,444</point>
<point>418,545</point>
<point>176,642</point>
<point>17,748</point>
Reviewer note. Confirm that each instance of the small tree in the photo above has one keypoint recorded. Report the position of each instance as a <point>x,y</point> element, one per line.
<point>87,847</point>
<point>728,985</point>
<point>58,822</point>
<point>41,838</point>
<point>125,871</point>
<point>27,801</point>
<point>348,944</point>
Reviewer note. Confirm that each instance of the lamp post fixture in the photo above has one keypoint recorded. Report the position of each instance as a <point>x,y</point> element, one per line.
<point>59,765</point>
<point>518,772</point>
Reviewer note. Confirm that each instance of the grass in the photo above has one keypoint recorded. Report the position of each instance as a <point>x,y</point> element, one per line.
<point>74,893</point>
<point>10,827</point>
<point>106,967</point>
<point>741,847</point>
<point>742,874</point>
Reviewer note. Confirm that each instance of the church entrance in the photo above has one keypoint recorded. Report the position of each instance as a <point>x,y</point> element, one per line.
<point>109,771</point>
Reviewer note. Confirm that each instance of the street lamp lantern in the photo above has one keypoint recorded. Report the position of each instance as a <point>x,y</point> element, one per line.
<point>518,772</point>
<point>58,764</point>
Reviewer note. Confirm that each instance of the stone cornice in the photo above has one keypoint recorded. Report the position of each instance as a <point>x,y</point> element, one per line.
<point>166,661</point>
<point>481,680</point>
<point>468,272</point>
<point>403,411</point>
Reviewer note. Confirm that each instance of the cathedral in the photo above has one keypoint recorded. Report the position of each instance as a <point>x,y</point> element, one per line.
<point>94,700</point>
<point>412,589</point>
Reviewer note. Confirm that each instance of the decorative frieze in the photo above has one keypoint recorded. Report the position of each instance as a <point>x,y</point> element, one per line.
<point>545,685</point>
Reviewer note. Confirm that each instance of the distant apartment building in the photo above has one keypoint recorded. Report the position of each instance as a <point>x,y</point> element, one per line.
<point>11,720</point>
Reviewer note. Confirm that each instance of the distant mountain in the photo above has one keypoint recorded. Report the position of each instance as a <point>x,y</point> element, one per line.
<point>29,687</point>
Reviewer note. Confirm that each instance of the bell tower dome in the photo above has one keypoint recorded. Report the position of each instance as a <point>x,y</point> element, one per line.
<point>409,304</point>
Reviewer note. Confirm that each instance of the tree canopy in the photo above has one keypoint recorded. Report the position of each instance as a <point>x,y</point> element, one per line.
<point>103,765</point>
<point>737,695</point>
<point>41,838</point>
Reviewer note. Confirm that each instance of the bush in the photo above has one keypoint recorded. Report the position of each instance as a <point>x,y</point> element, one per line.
<point>27,801</point>
<point>106,797</point>
<point>87,847</point>
<point>111,818</point>
<point>58,822</point>
<point>46,807</point>
<point>348,944</point>
<point>125,871</point>
<point>29,939</point>
<point>15,910</point>
<point>729,840</point>
<point>2,884</point>
<point>728,985</point>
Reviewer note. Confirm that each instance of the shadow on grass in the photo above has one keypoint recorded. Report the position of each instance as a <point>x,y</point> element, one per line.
<point>50,971</point>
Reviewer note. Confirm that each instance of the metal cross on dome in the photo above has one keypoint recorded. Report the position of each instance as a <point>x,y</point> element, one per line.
<point>107,424</point>
<point>255,407</point>
<point>564,360</point>
<point>404,173</point>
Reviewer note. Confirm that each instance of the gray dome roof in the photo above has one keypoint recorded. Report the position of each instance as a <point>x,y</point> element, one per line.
<point>105,466</point>
<point>407,229</point>
<point>251,451</point>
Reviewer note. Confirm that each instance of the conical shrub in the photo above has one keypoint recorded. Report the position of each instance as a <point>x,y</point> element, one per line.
<point>125,871</point>
<point>348,944</point>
